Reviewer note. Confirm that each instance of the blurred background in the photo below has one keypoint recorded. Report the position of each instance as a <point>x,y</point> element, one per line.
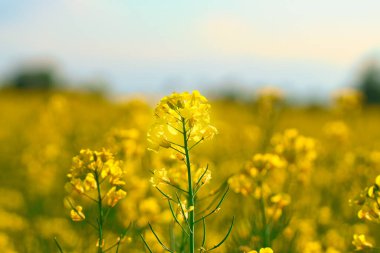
<point>306,48</point>
<point>86,74</point>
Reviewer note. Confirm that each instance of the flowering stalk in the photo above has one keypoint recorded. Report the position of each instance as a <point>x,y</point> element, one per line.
<point>369,202</point>
<point>97,176</point>
<point>100,214</point>
<point>183,122</point>
<point>190,188</point>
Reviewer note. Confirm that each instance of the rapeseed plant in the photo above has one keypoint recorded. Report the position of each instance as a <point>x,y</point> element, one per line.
<point>182,122</point>
<point>95,176</point>
<point>369,202</point>
<point>266,180</point>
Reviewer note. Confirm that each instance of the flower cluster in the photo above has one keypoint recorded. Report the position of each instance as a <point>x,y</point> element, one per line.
<point>262,250</point>
<point>95,175</point>
<point>251,181</point>
<point>126,142</point>
<point>298,151</point>
<point>268,99</point>
<point>337,131</point>
<point>360,242</point>
<point>176,112</point>
<point>348,100</point>
<point>369,201</point>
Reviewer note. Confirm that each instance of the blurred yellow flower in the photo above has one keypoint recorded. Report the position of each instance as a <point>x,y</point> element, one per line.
<point>113,196</point>
<point>360,242</point>
<point>76,214</point>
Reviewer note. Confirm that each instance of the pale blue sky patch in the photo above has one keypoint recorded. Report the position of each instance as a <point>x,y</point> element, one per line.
<point>142,46</point>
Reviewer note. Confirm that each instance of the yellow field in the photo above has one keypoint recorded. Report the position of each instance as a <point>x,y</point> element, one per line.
<point>295,175</point>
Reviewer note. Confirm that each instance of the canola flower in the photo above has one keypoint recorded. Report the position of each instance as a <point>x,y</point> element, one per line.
<point>98,177</point>
<point>262,250</point>
<point>347,100</point>
<point>360,242</point>
<point>268,99</point>
<point>181,115</point>
<point>262,180</point>
<point>253,182</point>
<point>298,151</point>
<point>369,202</point>
<point>182,121</point>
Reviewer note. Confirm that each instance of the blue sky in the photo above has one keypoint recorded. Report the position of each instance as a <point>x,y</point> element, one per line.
<point>303,46</point>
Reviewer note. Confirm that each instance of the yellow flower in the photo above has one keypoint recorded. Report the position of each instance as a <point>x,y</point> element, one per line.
<point>91,164</point>
<point>76,214</point>
<point>377,181</point>
<point>369,200</point>
<point>348,100</point>
<point>266,250</point>
<point>89,182</point>
<point>261,163</point>
<point>281,200</point>
<point>240,183</point>
<point>360,242</point>
<point>332,250</point>
<point>113,196</point>
<point>177,112</point>
<point>78,185</point>
<point>202,175</point>
<point>268,99</point>
<point>337,130</point>
<point>298,151</point>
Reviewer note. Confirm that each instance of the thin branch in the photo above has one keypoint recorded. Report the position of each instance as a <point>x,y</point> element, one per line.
<point>58,245</point>
<point>146,244</point>
<point>175,128</point>
<point>158,239</point>
<point>175,217</point>
<point>212,193</point>
<point>195,144</point>
<point>189,134</point>
<point>179,145</point>
<point>204,235</point>
<point>165,195</point>
<point>121,237</point>
<point>106,215</point>
<point>183,213</point>
<point>179,151</point>
<point>197,185</point>
<point>177,187</point>
<point>225,237</point>
<point>216,208</point>
<point>86,195</point>
<point>113,246</point>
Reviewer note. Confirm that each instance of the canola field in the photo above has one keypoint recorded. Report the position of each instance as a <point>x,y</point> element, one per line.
<point>83,173</point>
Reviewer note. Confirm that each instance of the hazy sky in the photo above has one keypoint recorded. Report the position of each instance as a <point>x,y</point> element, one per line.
<point>304,46</point>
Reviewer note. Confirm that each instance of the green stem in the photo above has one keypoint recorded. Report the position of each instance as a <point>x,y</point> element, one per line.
<point>190,190</point>
<point>266,232</point>
<point>100,217</point>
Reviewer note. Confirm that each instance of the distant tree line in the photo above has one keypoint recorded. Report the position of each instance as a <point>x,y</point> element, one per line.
<point>45,78</point>
<point>37,78</point>
<point>369,82</point>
